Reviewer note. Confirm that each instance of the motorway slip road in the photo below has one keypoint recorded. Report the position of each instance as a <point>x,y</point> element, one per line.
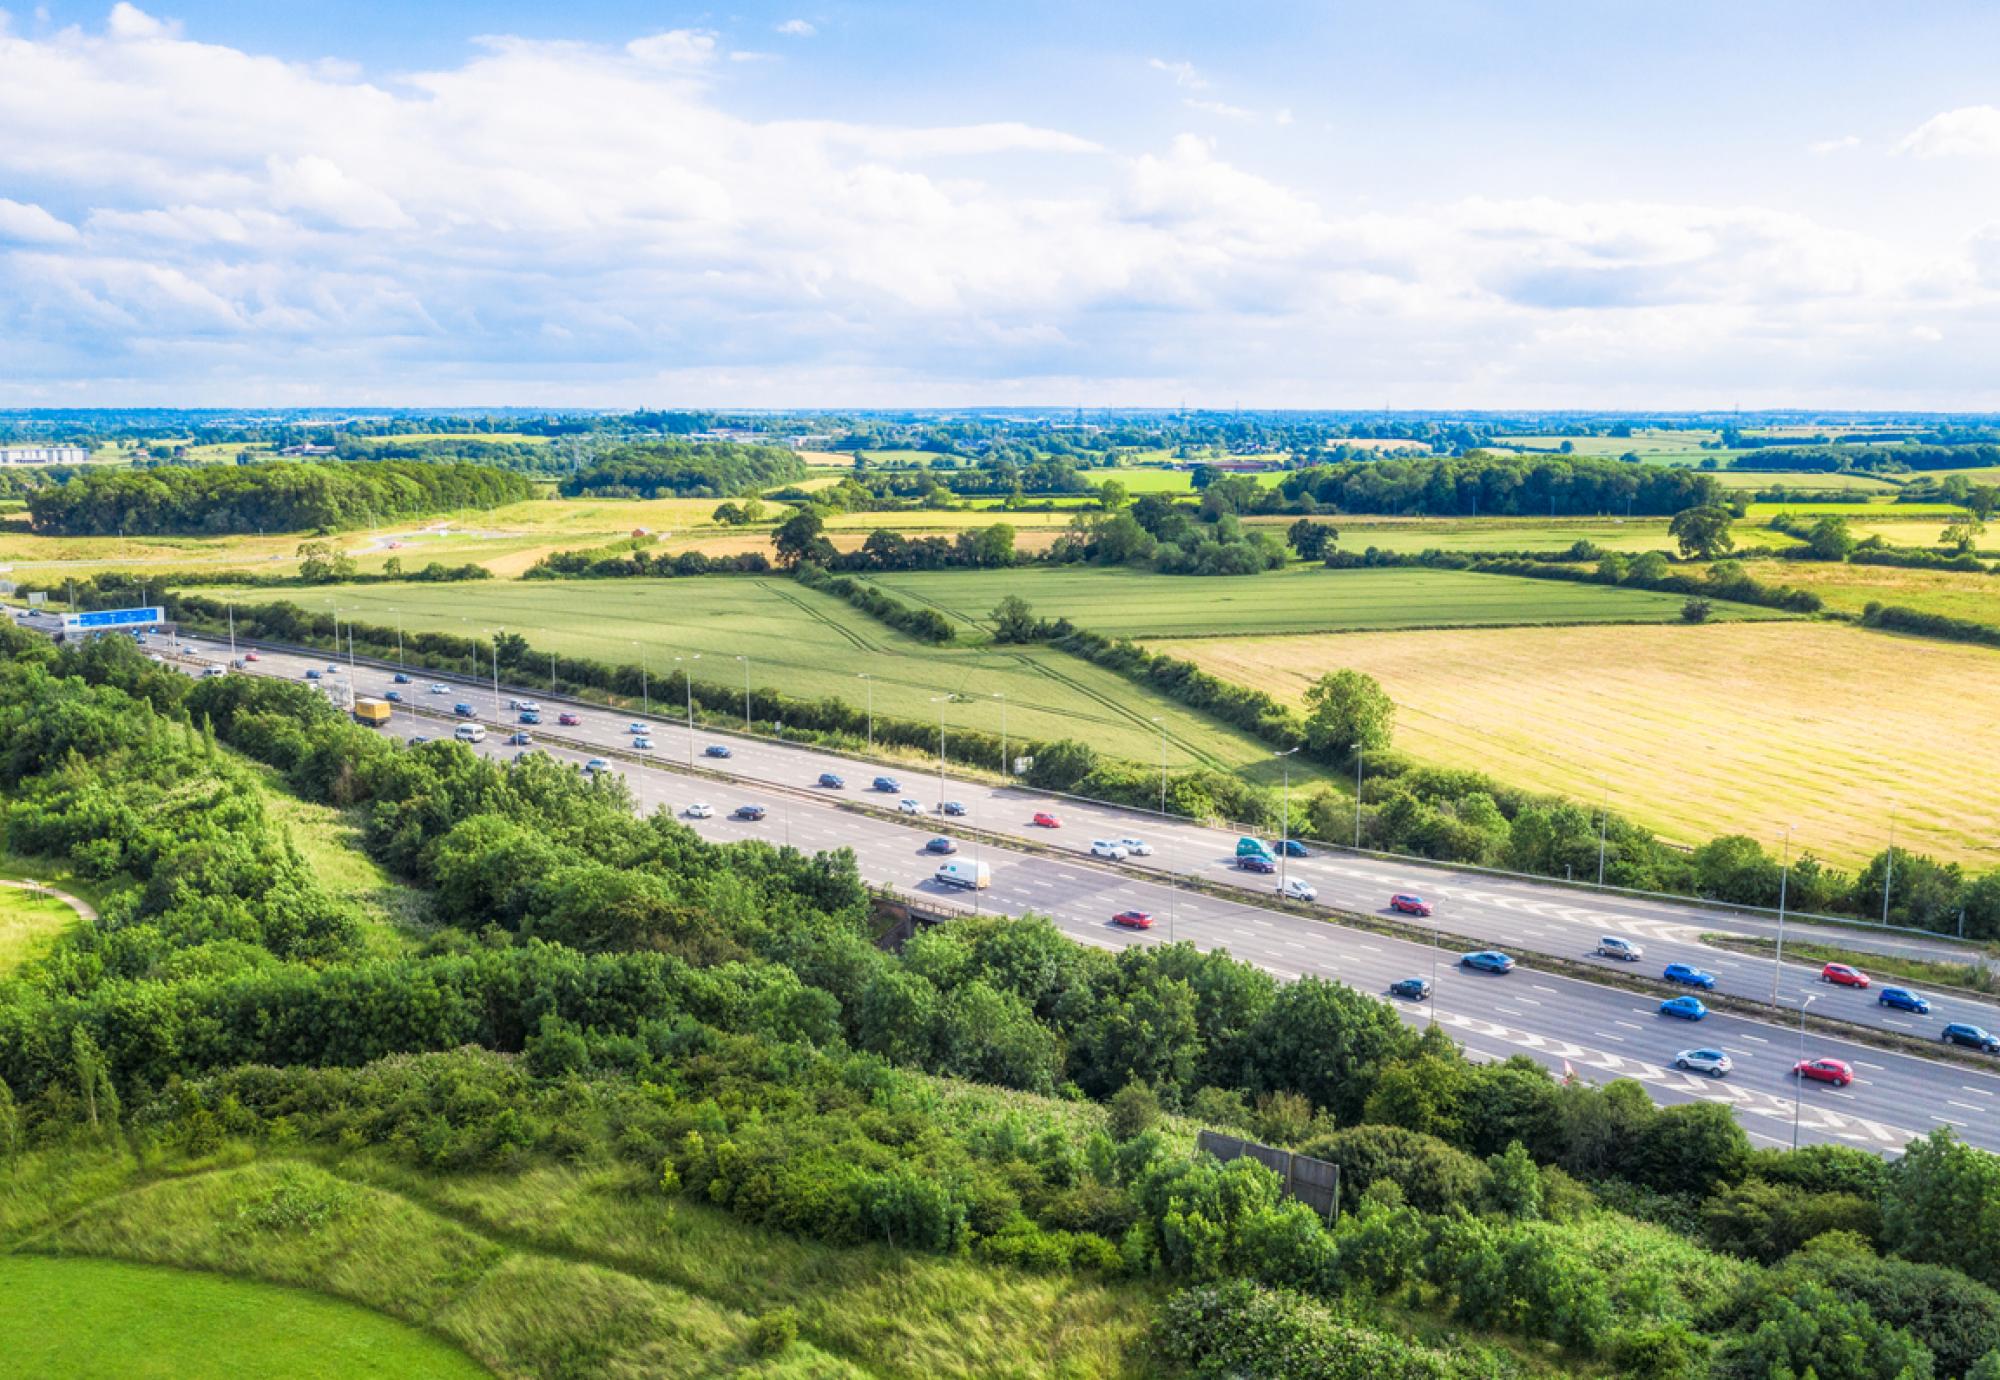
<point>1597,1031</point>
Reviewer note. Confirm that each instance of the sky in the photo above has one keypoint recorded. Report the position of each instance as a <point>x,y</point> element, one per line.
<point>1422,204</point>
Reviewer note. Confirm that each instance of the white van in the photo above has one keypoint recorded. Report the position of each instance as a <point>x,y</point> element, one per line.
<point>959,872</point>
<point>471,733</point>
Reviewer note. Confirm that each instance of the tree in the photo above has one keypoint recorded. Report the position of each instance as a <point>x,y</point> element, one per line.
<point>1703,533</point>
<point>1325,1040</point>
<point>322,563</point>
<point>1112,495</point>
<point>1962,535</point>
<point>1690,1148</point>
<point>802,537</point>
<point>1134,1110</point>
<point>1312,540</point>
<point>1943,1206</point>
<point>1831,540</point>
<point>1696,611</point>
<point>1014,620</point>
<point>1514,1184</point>
<point>1347,712</point>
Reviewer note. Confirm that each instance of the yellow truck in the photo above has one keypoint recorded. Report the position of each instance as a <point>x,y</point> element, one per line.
<point>374,713</point>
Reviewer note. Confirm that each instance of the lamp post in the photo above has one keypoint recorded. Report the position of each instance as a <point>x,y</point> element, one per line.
<point>941,701</point>
<point>1889,866</point>
<point>1799,1090</point>
<point>1285,816</point>
<point>746,692</point>
<point>1603,824</point>
<point>687,683</point>
<point>1359,753</point>
<point>645,689</point>
<point>498,633</point>
<point>870,680</point>
<point>400,663</point>
<point>232,632</point>
<point>1163,767</point>
<point>1434,967</point>
<point>1784,884</point>
<point>1006,770</point>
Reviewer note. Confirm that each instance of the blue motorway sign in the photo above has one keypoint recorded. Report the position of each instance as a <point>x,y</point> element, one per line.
<point>99,619</point>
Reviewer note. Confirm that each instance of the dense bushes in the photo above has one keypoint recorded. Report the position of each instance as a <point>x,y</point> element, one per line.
<point>625,561</point>
<point>924,624</point>
<point>281,497</point>
<point>1923,624</point>
<point>1486,485</point>
<point>686,469</point>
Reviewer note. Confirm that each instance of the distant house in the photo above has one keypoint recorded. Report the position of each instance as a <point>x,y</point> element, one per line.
<point>43,455</point>
<point>300,451</point>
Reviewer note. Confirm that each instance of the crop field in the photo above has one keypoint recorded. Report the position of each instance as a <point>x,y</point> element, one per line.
<point>1694,731</point>
<point>1658,447</point>
<point>1850,588</point>
<point>1802,479</point>
<point>1301,598</point>
<point>1359,531</point>
<point>808,644</point>
<point>65,1317</point>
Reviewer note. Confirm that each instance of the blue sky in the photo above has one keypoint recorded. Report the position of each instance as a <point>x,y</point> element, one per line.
<point>1420,204</point>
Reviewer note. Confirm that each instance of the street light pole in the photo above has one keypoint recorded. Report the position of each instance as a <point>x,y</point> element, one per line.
<point>1603,823</point>
<point>870,682</point>
<point>1799,1088</point>
<point>1784,885</point>
<point>687,683</point>
<point>232,632</point>
<point>746,692</point>
<point>1005,769</point>
<point>497,634</point>
<point>1285,817</point>
<point>1358,755</point>
<point>1889,866</point>
<point>941,701</point>
<point>400,663</point>
<point>645,690</point>
<point>1163,767</point>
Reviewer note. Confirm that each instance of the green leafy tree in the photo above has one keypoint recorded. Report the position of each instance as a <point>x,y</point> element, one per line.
<point>1348,711</point>
<point>1696,611</point>
<point>1962,535</point>
<point>1943,1206</point>
<point>1703,532</point>
<point>1312,540</point>
<point>1514,1183</point>
<point>1014,620</point>
<point>321,563</point>
<point>1831,539</point>
<point>802,538</point>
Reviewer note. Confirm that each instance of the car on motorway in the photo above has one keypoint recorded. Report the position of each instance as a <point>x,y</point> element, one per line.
<point>1713,1062</point>
<point>954,808</point>
<point>596,765</point>
<point>1292,848</point>
<point>208,671</point>
<point>1903,999</point>
<point>252,656</point>
<point>569,720</point>
<point>439,689</point>
<point>888,784</point>
<point>1688,975</point>
<point>415,740</point>
<point>462,709</point>
<point>1624,950</point>
<point>1405,904</point>
<point>1841,975</point>
<point>528,705</point>
<point>642,744</point>
<point>399,679</point>
<point>716,750</point>
<point>236,665</point>
<point>1134,919</point>
<point>830,781</point>
<point>310,675</point>
<point>940,844</point>
<point>1487,961</point>
<point>393,696</point>
<point>1413,988</point>
<point>522,739</point>
<point>332,666</point>
<point>1971,1036</point>
<point>750,812</point>
<point>1834,1071</point>
<point>1294,889</point>
<point>701,809</point>
<point>1684,1008</point>
<point>1256,862</point>
<point>1045,820</point>
<point>1136,848</point>
<point>636,727</point>
<point>909,807</point>
<point>531,716</point>
<point>1106,848</point>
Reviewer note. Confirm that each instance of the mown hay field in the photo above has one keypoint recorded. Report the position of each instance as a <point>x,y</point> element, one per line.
<point>1695,731</point>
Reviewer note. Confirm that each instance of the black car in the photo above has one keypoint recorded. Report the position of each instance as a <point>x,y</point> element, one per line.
<point>953,807</point>
<point>1254,862</point>
<point>1971,1036</point>
<point>1416,989</point>
<point>749,811</point>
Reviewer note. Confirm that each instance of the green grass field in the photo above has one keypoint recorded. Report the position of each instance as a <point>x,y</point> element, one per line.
<point>27,923</point>
<point>1409,535</point>
<point>1767,479</point>
<point>1300,598</point>
<point>85,1318</point>
<point>1851,588</point>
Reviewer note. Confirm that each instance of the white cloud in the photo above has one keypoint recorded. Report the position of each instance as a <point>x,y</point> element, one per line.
<point>21,223</point>
<point>1222,108</point>
<point>1822,147</point>
<point>130,22</point>
<point>797,28</point>
<point>1972,130</point>
<point>567,222</point>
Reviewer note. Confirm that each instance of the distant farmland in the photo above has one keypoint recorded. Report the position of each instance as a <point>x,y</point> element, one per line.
<point>1696,731</point>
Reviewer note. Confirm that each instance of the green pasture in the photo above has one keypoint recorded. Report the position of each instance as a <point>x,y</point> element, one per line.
<point>86,1317</point>
<point>1803,479</point>
<point>28,922</point>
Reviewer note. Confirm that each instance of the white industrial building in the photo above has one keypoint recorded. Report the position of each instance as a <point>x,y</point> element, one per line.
<point>43,455</point>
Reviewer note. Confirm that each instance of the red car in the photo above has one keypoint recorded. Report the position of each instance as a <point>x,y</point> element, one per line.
<point>1842,975</point>
<point>568,720</point>
<point>1047,820</point>
<point>252,656</point>
<point>1831,1071</point>
<point>1410,905</point>
<point>1133,919</point>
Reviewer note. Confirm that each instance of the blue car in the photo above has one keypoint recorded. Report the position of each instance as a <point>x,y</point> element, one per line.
<point>312,675</point>
<point>1686,1008</point>
<point>529,716</point>
<point>1971,1036</point>
<point>830,781</point>
<point>399,679</point>
<point>464,711</point>
<point>394,697</point>
<point>1903,999</point>
<point>1689,976</point>
<point>941,844</point>
<point>1488,961</point>
<point>888,783</point>
<point>1415,989</point>
<point>1292,848</point>
<point>715,750</point>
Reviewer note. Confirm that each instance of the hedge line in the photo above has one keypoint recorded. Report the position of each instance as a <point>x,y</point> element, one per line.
<point>926,625</point>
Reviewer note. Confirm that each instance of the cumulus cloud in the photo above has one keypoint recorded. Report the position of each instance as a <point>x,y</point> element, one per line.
<point>797,28</point>
<point>1970,131</point>
<point>567,222</point>
<point>1822,147</point>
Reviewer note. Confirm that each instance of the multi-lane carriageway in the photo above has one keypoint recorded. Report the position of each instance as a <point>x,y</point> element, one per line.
<point>1598,1031</point>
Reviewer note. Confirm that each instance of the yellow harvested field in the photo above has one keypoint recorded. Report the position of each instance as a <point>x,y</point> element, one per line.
<point>1697,731</point>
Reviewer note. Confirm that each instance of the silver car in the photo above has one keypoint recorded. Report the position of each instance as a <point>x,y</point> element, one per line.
<point>1137,848</point>
<point>1712,1062</point>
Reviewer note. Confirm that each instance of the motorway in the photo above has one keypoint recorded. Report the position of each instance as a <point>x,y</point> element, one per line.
<point>1597,1030</point>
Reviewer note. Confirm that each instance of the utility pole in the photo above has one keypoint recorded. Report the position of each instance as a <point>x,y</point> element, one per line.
<point>1799,1088</point>
<point>1006,767</point>
<point>1784,884</point>
<point>497,632</point>
<point>1889,866</point>
<point>746,692</point>
<point>1358,755</point>
<point>870,683</point>
<point>1163,767</point>
<point>1285,817</point>
<point>687,683</point>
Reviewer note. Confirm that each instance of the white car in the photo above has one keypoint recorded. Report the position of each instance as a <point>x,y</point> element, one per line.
<point>700,811</point>
<point>1712,1062</point>
<point>643,744</point>
<point>1137,848</point>
<point>596,765</point>
<point>212,670</point>
<point>437,689</point>
<point>1296,890</point>
<point>909,807</point>
<point>1105,848</point>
